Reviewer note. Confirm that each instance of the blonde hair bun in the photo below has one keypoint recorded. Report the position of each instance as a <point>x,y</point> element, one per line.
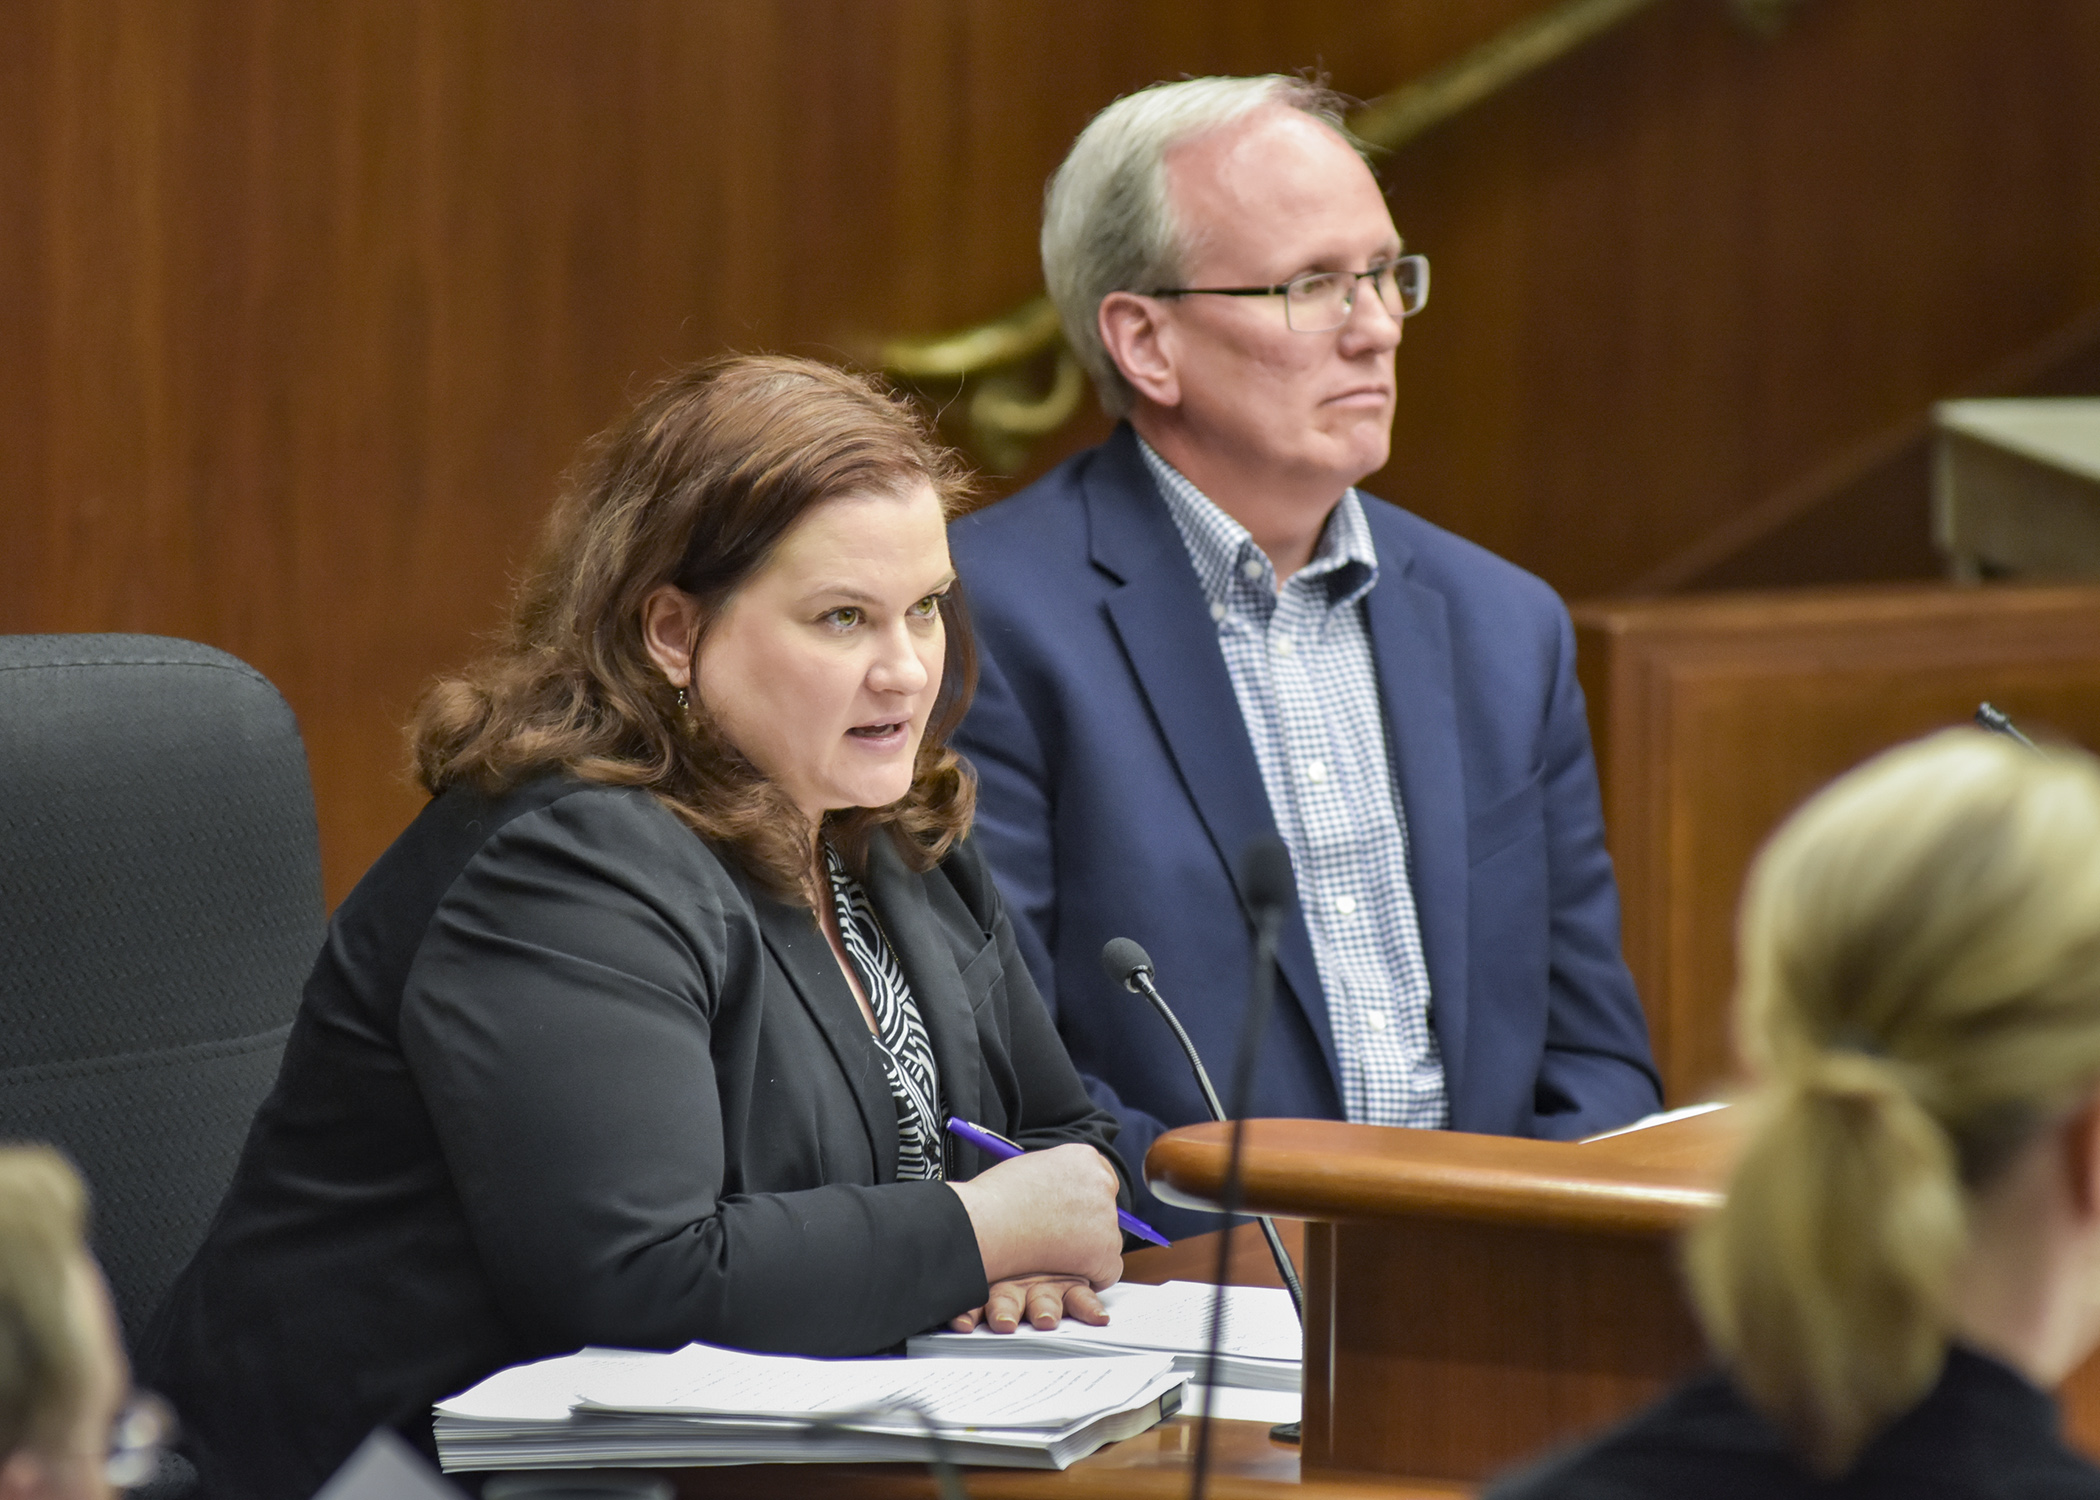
<point>1918,995</point>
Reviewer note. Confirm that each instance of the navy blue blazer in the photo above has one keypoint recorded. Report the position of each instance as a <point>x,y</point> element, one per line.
<point>1118,787</point>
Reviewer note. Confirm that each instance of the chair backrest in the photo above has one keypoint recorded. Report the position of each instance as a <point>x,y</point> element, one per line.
<point>160,904</point>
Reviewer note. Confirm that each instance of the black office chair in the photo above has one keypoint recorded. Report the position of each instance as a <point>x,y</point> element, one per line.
<point>160,904</point>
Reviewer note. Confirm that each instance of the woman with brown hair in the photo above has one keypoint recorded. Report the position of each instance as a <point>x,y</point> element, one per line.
<point>647,1028</point>
<point>1909,1255</point>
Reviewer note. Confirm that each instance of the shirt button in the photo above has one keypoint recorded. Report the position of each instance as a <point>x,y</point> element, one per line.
<point>1251,568</point>
<point>1346,905</point>
<point>1217,612</point>
<point>1377,1021</point>
<point>1281,645</point>
<point>1316,771</point>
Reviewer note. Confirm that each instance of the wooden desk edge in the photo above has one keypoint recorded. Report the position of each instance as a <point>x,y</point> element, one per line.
<point>1154,1464</point>
<point>1324,1169</point>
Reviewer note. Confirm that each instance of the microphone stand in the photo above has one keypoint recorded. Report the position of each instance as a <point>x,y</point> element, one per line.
<point>1266,881</point>
<point>1130,966</point>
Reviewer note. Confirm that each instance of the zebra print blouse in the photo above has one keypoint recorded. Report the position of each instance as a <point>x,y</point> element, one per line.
<point>900,1035</point>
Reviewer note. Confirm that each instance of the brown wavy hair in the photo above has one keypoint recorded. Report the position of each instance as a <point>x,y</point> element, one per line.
<point>696,487</point>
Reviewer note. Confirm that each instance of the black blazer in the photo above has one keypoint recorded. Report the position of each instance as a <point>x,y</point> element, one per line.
<point>1981,1433</point>
<point>561,1076</point>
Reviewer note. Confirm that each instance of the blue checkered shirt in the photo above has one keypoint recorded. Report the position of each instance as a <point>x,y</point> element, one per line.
<point>1301,666</point>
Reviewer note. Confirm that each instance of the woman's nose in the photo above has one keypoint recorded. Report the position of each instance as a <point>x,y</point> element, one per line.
<point>898,667</point>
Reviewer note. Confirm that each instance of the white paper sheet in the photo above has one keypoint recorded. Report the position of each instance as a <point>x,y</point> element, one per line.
<point>1235,1404</point>
<point>539,1392</point>
<point>954,1393</point>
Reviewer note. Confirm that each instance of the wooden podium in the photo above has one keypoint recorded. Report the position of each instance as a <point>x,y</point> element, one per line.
<point>1471,1301</point>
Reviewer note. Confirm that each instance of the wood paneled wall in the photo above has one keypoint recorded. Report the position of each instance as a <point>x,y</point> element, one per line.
<point>305,303</point>
<point>1682,270</point>
<point>1718,715</point>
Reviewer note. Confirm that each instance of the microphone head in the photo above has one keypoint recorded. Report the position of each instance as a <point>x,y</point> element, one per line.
<point>1265,876</point>
<point>1123,960</point>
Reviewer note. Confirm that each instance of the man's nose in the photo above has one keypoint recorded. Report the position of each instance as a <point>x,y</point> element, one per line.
<point>1369,325</point>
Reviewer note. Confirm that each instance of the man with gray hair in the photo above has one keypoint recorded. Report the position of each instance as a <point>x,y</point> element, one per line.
<point>1199,632</point>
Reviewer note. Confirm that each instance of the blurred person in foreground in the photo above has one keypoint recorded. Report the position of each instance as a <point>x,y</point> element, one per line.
<point>1200,632</point>
<point>65,1430</point>
<point>1909,1255</point>
<point>645,1031</point>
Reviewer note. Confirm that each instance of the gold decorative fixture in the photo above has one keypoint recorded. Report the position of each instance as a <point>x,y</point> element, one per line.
<point>1766,17</point>
<point>1021,334</point>
<point>1393,119</point>
<point>1006,410</point>
<point>1024,384</point>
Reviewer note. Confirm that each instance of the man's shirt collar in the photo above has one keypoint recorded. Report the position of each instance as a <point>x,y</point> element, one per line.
<point>1235,572</point>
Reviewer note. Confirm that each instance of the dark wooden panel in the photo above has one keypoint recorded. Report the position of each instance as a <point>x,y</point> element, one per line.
<point>306,305</point>
<point>1865,517</point>
<point>1686,267</point>
<point>1460,1350</point>
<point>1716,715</point>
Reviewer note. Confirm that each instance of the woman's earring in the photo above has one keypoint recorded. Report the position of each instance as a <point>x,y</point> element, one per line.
<point>683,706</point>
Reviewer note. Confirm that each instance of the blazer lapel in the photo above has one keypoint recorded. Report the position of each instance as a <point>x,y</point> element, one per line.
<point>799,947</point>
<point>928,960</point>
<point>1410,640</point>
<point>1161,619</point>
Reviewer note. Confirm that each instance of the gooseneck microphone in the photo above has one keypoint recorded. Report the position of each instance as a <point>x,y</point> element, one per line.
<point>1269,891</point>
<point>1131,966</point>
<point>1997,723</point>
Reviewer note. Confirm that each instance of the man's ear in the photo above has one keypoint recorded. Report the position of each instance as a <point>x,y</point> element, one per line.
<point>670,630</point>
<point>2081,1146</point>
<point>1135,331</point>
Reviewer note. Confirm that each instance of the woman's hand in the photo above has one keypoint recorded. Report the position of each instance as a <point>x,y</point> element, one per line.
<point>1046,1230</point>
<point>1042,1300</point>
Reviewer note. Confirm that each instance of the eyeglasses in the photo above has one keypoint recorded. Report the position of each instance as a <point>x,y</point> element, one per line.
<point>1320,301</point>
<point>137,1439</point>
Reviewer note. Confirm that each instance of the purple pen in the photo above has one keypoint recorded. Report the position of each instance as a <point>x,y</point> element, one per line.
<point>993,1144</point>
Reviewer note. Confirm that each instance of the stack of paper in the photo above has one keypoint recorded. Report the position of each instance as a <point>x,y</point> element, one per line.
<point>1263,1347</point>
<point>703,1405</point>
